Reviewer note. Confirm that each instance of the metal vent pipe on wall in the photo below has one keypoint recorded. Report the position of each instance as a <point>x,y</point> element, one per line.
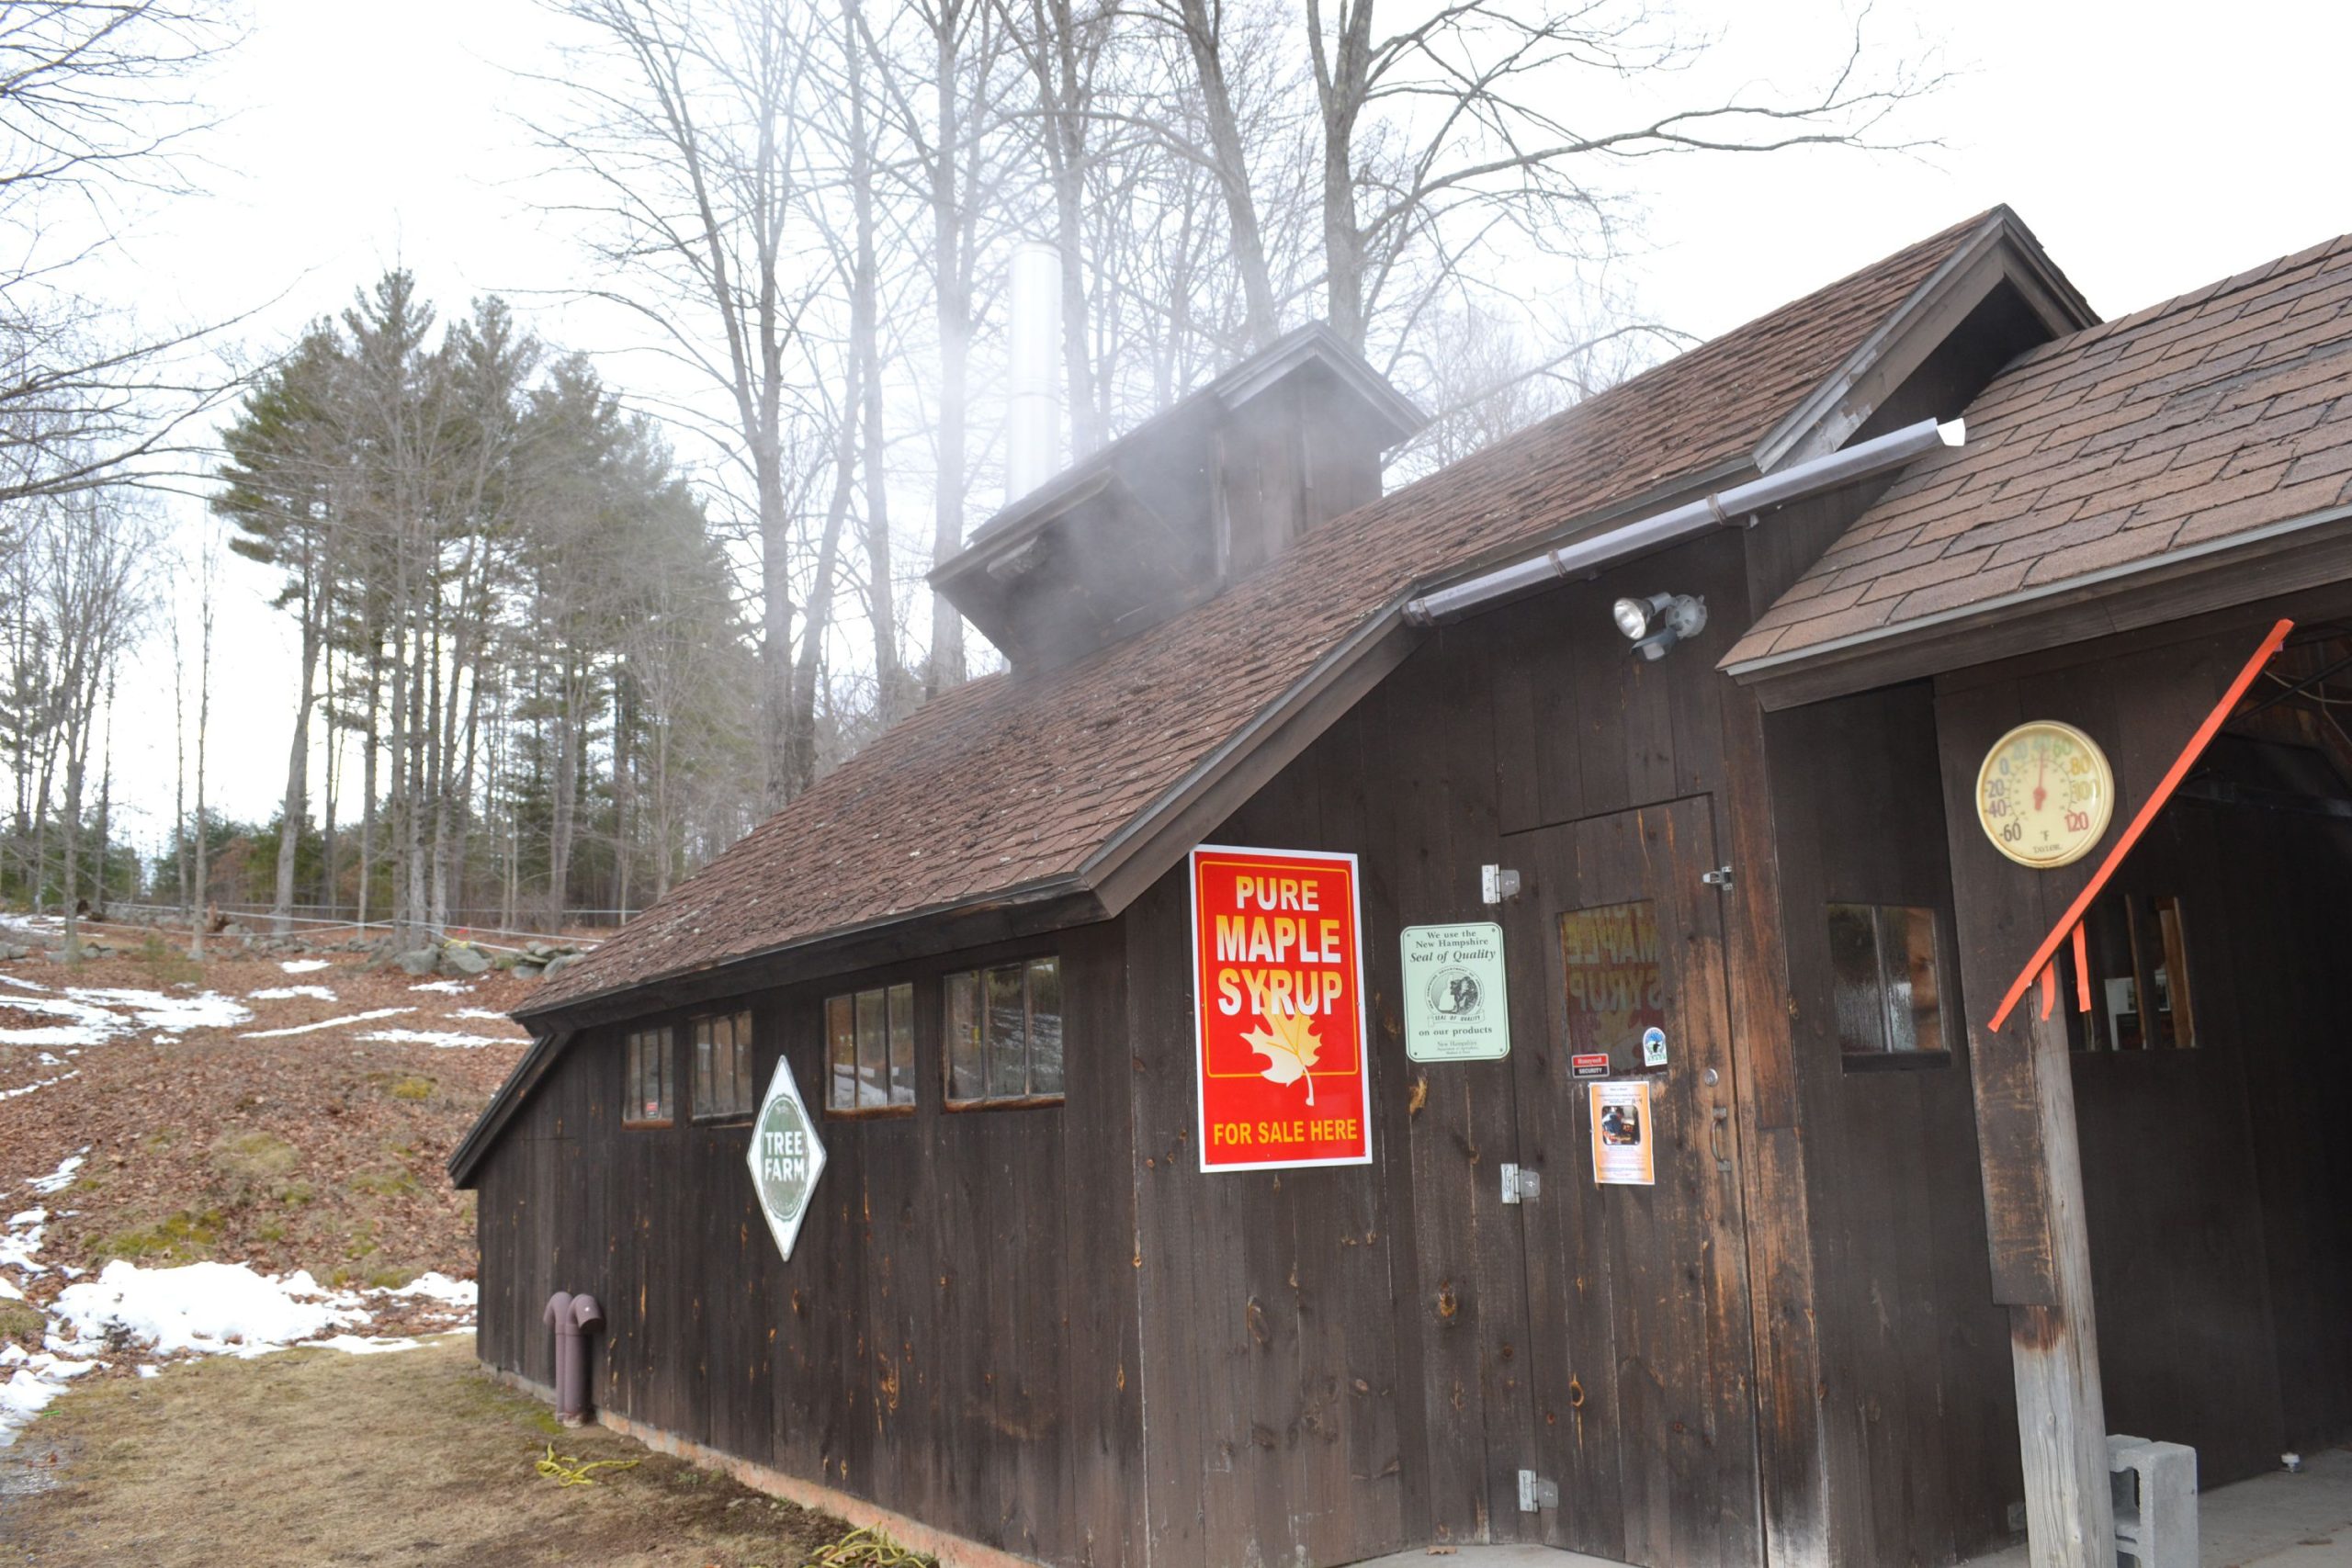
<point>1032,334</point>
<point>1721,510</point>
<point>571,1318</point>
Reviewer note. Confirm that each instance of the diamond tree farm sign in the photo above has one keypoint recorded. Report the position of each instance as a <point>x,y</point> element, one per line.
<point>1278,1000</point>
<point>785,1157</point>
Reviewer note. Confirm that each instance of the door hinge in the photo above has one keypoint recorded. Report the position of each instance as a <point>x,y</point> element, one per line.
<point>1521,1185</point>
<point>1497,883</point>
<point>1719,877</point>
<point>1534,1493</point>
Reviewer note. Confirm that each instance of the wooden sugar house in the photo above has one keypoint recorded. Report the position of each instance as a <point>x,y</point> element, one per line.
<point>1786,741</point>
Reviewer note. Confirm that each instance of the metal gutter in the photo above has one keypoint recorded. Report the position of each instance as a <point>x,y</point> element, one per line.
<point>1721,510</point>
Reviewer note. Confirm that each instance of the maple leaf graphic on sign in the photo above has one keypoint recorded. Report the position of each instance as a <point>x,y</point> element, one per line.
<point>1290,1047</point>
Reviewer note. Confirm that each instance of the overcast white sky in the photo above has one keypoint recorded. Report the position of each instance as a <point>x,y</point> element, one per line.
<point>2151,147</point>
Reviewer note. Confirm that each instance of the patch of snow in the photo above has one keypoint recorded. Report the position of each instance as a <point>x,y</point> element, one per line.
<point>438,1287</point>
<point>151,1370</point>
<point>491,1013</point>
<point>352,1344</point>
<point>28,985</point>
<point>170,1015</point>
<point>306,965</point>
<point>288,993</point>
<point>446,988</point>
<point>62,1176</point>
<point>208,1308</point>
<point>325,1023</point>
<point>97,1015</point>
<point>36,1083</point>
<point>8,1291</point>
<point>441,1040</point>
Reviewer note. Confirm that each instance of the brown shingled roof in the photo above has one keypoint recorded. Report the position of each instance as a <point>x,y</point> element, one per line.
<point>2187,426</point>
<point>1030,781</point>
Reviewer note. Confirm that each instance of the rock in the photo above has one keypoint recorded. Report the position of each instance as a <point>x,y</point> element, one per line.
<point>558,964</point>
<point>461,960</point>
<point>10,952</point>
<point>526,970</point>
<point>419,962</point>
<point>233,929</point>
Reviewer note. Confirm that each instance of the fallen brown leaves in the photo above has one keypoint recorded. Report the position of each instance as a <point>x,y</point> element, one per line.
<point>319,1150</point>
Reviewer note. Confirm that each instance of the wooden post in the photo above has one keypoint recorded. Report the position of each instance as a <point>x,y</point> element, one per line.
<point>2054,1347</point>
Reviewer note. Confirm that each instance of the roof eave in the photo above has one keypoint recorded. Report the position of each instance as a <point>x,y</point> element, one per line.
<point>2312,550</point>
<point>2001,250</point>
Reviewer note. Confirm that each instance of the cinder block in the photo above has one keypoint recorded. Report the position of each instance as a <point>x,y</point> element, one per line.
<point>2155,1503</point>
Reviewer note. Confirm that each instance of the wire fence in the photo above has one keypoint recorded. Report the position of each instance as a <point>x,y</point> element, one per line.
<point>262,919</point>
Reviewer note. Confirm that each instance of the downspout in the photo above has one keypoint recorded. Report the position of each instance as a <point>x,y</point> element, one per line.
<point>1722,510</point>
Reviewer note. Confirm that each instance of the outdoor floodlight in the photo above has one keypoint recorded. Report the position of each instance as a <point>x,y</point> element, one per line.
<point>1658,621</point>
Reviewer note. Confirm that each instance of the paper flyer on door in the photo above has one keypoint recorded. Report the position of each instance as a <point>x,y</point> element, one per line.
<point>1278,1003</point>
<point>1622,1132</point>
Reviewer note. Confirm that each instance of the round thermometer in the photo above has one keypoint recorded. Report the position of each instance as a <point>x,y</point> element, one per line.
<point>2045,794</point>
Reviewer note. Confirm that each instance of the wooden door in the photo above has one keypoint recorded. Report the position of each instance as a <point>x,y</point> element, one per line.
<point>1640,1349</point>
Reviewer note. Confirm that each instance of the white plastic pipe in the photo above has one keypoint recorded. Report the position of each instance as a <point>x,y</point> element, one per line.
<point>1033,332</point>
<point>1721,509</point>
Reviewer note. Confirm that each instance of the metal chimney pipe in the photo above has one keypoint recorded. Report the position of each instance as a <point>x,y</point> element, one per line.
<point>1032,334</point>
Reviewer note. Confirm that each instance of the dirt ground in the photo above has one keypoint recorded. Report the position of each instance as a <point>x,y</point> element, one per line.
<point>310,1457</point>
<point>319,1149</point>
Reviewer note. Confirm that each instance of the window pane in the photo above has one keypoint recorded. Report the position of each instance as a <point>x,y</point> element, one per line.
<point>1613,986</point>
<point>1007,1041</point>
<point>841,1053</point>
<point>1914,1007</point>
<point>706,1084</point>
<point>665,1069</point>
<point>1855,998</point>
<point>873,1051</point>
<point>966,1067</point>
<point>745,1095</point>
<point>2172,976</point>
<point>1045,1026</point>
<point>902,1045</point>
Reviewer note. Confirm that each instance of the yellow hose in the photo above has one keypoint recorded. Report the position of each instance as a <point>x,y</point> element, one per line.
<point>867,1547</point>
<point>565,1469</point>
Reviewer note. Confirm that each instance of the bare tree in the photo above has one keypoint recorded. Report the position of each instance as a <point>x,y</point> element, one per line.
<point>91,104</point>
<point>698,168</point>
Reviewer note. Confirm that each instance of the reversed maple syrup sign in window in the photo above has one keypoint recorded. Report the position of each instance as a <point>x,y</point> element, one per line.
<point>1614,989</point>
<point>646,1086</point>
<point>870,1051</point>
<point>1004,1035</point>
<point>2139,954</point>
<point>1884,994</point>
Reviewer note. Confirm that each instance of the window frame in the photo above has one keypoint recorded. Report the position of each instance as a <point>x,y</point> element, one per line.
<point>2152,932</point>
<point>1887,1058</point>
<point>978,974</point>
<point>631,1076</point>
<point>745,1034</point>
<point>891,1106</point>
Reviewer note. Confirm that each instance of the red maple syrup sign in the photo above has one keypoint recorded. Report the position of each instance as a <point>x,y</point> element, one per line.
<point>1278,993</point>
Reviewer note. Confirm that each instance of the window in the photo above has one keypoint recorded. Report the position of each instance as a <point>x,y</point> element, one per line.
<point>723,1065</point>
<point>870,1051</point>
<point>1004,1034</point>
<point>1887,1000</point>
<point>648,1083</point>
<point>2139,960</point>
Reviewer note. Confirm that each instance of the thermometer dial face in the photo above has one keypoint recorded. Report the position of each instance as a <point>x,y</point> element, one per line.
<point>2045,794</point>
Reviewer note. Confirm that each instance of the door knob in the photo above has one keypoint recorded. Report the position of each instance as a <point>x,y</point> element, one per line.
<point>1716,1138</point>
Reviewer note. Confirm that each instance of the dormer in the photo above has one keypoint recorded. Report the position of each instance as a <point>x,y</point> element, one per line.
<point>1191,499</point>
